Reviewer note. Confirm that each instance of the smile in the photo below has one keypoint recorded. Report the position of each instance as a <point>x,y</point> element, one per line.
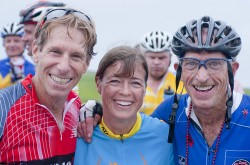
<point>61,81</point>
<point>203,88</point>
<point>124,103</point>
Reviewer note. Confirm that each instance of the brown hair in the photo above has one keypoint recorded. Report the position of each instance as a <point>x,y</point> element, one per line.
<point>128,56</point>
<point>43,30</point>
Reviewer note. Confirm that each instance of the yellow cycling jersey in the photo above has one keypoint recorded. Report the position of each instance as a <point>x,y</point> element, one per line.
<point>152,100</point>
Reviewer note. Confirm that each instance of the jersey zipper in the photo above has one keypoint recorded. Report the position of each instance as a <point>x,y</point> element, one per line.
<point>59,126</point>
<point>121,138</point>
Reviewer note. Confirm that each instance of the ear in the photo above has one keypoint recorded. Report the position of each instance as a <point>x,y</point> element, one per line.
<point>4,42</point>
<point>176,64</point>
<point>235,67</point>
<point>35,54</point>
<point>98,85</point>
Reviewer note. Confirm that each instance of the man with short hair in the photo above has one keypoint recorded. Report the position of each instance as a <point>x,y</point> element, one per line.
<point>156,46</point>
<point>210,124</point>
<point>39,115</point>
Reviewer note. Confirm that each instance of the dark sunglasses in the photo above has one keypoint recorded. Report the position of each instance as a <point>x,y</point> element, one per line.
<point>60,12</point>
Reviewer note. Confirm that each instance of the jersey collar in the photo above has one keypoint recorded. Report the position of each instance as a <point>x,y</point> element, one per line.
<point>133,131</point>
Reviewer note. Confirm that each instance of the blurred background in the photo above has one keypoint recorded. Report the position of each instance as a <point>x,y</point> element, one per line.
<point>125,22</point>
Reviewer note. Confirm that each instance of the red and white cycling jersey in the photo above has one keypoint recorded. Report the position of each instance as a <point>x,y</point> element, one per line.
<point>29,132</point>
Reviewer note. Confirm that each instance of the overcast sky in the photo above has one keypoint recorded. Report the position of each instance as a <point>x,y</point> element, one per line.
<point>125,21</point>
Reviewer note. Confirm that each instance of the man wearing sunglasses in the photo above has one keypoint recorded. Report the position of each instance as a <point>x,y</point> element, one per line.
<point>30,17</point>
<point>39,115</point>
<point>210,124</point>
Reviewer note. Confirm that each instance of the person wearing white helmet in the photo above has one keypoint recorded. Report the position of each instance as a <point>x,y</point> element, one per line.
<point>15,66</point>
<point>30,17</point>
<point>156,46</point>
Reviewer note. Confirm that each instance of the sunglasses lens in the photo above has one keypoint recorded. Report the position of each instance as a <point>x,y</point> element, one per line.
<point>55,14</point>
<point>82,16</point>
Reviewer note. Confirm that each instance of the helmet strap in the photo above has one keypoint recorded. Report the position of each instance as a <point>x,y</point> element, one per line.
<point>229,102</point>
<point>175,106</point>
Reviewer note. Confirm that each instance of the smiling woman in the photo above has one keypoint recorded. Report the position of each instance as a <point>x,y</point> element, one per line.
<point>121,81</point>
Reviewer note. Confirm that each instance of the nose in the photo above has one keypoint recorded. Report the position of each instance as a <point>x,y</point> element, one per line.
<point>24,37</point>
<point>202,74</point>
<point>125,89</point>
<point>12,43</point>
<point>156,61</point>
<point>64,64</point>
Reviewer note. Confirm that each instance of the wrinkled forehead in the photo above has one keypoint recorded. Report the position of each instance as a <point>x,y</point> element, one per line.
<point>204,54</point>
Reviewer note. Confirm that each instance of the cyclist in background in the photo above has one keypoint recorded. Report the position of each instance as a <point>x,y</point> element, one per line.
<point>15,67</point>
<point>161,82</point>
<point>30,17</point>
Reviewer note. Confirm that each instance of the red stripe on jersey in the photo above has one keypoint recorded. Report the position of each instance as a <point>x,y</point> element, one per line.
<point>31,132</point>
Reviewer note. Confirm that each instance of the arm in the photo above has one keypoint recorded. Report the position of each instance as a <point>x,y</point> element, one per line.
<point>163,111</point>
<point>90,115</point>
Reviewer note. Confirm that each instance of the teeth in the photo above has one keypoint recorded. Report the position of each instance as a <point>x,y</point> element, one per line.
<point>124,103</point>
<point>61,81</point>
<point>204,88</point>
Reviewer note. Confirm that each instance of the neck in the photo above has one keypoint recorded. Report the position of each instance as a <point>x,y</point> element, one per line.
<point>118,126</point>
<point>154,83</point>
<point>54,104</point>
<point>119,132</point>
<point>211,123</point>
<point>210,118</point>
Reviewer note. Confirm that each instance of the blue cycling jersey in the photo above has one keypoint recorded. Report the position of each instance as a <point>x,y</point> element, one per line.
<point>234,146</point>
<point>147,146</point>
<point>6,74</point>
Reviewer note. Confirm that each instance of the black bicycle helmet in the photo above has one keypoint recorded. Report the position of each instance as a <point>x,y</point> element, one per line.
<point>34,12</point>
<point>220,37</point>
<point>217,37</point>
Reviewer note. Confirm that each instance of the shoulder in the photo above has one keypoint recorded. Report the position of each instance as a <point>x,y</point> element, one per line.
<point>80,142</point>
<point>8,97</point>
<point>29,63</point>
<point>29,68</point>
<point>4,65</point>
<point>241,101</point>
<point>12,93</point>
<point>165,108</point>
<point>4,60</point>
<point>154,126</point>
<point>170,77</point>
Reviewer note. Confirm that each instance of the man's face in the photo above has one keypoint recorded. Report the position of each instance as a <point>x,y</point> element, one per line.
<point>14,45</point>
<point>208,89</point>
<point>158,64</point>
<point>122,96</point>
<point>28,37</point>
<point>61,62</point>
